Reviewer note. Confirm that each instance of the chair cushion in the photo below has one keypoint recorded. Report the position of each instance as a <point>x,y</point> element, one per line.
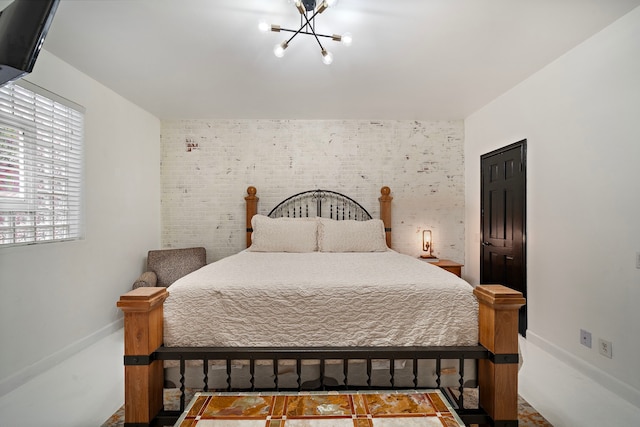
<point>171,264</point>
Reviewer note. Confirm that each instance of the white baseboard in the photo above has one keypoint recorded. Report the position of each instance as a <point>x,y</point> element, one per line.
<point>621,389</point>
<point>23,376</point>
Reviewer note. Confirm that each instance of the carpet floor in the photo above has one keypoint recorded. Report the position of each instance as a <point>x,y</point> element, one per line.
<point>527,415</point>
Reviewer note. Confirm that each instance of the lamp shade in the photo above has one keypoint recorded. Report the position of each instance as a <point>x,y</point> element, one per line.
<point>427,244</point>
<point>426,240</point>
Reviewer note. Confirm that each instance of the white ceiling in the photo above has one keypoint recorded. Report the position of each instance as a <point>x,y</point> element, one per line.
<point>410,59</point>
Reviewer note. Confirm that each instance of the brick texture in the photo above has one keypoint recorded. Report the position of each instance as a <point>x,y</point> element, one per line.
<point>207,166</point>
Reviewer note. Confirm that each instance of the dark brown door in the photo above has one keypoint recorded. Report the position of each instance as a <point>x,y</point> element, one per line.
<point>503,209</point>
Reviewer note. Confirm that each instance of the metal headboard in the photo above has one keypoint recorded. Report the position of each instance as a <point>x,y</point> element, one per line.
<point>320,203</point>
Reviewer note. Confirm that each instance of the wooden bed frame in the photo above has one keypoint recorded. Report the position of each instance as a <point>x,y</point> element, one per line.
<point>497,353</point>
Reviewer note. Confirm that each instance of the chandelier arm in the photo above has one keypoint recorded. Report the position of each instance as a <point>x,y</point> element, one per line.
<point>306,32</point>
<point>313,30</point>
<point>299,31</point>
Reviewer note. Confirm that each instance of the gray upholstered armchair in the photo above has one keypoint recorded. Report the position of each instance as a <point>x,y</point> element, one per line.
<point>168,265</point>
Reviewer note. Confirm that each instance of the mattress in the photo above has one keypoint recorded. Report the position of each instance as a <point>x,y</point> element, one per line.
<point>265,299</point>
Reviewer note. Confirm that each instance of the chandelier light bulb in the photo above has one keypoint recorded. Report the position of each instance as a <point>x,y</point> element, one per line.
<point>278,50</point>
<point>347,39</point>
<point>331,3</point>
<point>264,27</point>
<point>327,57</point>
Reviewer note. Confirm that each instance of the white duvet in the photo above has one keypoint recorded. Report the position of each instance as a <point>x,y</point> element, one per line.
<point>320,299</point>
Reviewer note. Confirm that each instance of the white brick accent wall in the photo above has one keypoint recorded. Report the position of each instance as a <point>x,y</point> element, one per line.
<point>207,166</point>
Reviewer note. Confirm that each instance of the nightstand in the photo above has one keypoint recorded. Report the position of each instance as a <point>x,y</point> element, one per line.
<point>450,266</point>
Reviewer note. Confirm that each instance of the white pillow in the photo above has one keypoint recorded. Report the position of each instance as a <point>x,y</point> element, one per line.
<point>283,234</point>
<point>351,236</point>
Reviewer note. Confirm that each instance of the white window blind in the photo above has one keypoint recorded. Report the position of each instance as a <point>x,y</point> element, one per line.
<point>41,138</point>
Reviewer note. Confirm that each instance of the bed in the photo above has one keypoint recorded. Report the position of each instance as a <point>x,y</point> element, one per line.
<point>318,300</point>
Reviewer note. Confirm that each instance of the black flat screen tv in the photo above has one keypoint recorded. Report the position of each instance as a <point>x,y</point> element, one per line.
<point>23,27</point>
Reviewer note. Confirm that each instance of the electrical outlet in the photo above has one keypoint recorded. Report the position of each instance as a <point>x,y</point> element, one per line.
<point>637,259</point>
<point>605,348</point>
<point>585,338</point>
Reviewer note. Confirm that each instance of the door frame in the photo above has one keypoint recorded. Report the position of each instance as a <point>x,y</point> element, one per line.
<point>522,144</point>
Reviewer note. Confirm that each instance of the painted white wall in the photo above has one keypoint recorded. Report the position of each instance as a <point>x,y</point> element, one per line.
<point>580,116</point>
<point>57,298</point>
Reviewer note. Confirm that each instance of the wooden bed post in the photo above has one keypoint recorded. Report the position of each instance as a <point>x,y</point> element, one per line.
<point>385,211</point>
<point>252,209</point>
<point>498,332</point>
<point>143,332</point>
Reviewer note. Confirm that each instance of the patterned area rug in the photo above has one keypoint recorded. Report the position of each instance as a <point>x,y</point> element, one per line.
<point>527,415</point>
<point>406,408</point>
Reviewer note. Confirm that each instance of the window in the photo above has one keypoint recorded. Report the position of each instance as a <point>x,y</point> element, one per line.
<point>41,137</point>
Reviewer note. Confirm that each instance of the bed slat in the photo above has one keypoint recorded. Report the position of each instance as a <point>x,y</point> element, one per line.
<point>205,369</point>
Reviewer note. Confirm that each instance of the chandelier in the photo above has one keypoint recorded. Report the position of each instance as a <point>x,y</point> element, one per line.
<point>308,10</point>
